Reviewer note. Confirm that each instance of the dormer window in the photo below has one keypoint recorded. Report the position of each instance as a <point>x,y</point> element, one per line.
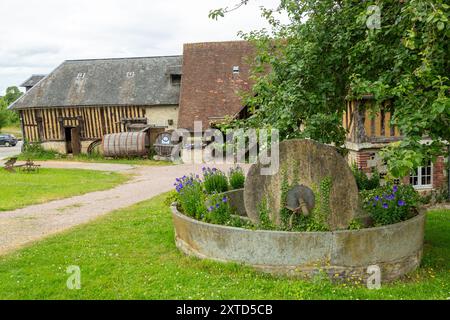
<point>236,70</point>
<point>130,74</point>
<point>175,79</point>
<point>81,75</point>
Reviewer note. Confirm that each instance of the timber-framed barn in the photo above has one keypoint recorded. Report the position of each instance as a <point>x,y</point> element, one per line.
<point>83,100</point>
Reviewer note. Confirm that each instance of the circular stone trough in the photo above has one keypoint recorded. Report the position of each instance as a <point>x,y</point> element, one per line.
<point>344,254</point>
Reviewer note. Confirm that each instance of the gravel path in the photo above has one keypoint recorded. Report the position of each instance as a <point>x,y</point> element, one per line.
<point>7,152</point>
<point>23,226</point>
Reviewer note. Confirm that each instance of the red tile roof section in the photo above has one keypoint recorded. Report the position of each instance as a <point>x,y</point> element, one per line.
<point>210,89</point>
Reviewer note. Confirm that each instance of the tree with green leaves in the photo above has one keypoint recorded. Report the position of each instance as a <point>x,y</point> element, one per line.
<point>334,50</point>
<point>8,117</point>
<point>3,114</point>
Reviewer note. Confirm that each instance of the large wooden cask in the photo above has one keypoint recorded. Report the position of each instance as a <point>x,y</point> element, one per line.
<point>126,144</point>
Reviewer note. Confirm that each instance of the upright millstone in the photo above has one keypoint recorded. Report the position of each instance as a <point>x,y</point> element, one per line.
<point>313,178</point>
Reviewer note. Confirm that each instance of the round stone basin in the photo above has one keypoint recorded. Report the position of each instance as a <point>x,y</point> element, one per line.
<point>346,254</point>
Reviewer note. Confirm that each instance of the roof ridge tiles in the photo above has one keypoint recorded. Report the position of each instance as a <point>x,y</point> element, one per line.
<point>123,58</point>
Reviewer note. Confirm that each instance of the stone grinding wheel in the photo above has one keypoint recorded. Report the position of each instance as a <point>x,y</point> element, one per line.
<point>313,162</point>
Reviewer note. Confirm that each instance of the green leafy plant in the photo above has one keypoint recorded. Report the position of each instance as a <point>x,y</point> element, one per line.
<point>322,211</point>
<point>35,151</point>
<point>214,180</point>
<point>391,203</point>
<point>236,178</point>
<point>9,117</point>
<point>238,222</point>
<point>285,213</point>
<point>218,209</point>
<point>172,197</point>
<point>363,181</point>
<point>265,223</point>
<point>191,197</point>
<point>355,224</point>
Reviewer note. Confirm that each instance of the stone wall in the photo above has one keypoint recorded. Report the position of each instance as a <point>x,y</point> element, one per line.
<point>396,249</point>
<point>161,116</point>
<point>60,146</point>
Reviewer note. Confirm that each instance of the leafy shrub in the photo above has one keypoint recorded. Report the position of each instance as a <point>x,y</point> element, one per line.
<point>236,178</point>
<point>355,224</point>
<point>363,181</point>
<point>390,204</point>
<point>191,197</point>
<point>265,223</point>
<point>219,210</point>
<point>171,198</point>
<point>35,151</point>
<point>434,196</point>
<point>214,180</point>
<point>237,222</point>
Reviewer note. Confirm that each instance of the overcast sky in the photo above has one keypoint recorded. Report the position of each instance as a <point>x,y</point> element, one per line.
<point>37,35</point>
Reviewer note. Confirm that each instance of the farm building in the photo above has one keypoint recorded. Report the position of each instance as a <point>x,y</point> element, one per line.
<point>81,101</point>
<point>32,81</point>
<point>368,133</point>
<point>214,74</point>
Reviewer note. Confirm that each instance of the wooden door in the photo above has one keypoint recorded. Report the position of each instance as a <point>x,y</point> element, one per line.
<point>76,141</point>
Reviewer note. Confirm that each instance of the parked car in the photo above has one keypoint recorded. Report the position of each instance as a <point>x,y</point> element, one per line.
<point>7,140</point>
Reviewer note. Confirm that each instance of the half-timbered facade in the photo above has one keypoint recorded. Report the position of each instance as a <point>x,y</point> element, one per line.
<point>369,132</point>
<point>83,100</point>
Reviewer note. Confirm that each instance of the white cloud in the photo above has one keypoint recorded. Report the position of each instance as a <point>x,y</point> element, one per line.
<point>38,35</point>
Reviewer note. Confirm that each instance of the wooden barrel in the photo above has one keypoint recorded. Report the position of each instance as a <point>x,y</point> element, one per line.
<point>125,144</point>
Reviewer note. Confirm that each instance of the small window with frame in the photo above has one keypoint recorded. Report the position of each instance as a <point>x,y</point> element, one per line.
<point>422,177</point>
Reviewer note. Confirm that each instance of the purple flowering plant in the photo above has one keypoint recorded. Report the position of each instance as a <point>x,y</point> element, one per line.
<point>218,209</point>
<point>195,201</point>
<point>390,204</point>
<point>191,197</point>
<point>214,180</point>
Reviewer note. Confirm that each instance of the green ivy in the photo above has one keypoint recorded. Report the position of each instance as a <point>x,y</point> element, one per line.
<point>265,223</point>
<point>285,213</point>
<point>362,181</point>
<point>355,224</point>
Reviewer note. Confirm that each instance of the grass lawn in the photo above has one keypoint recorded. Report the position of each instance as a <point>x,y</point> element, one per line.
<point>22,189</point>
<point>45,156</point>
<point>136,161</point>
<point>130,254</point>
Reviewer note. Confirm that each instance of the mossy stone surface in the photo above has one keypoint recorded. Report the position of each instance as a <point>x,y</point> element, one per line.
<point>308,163</point>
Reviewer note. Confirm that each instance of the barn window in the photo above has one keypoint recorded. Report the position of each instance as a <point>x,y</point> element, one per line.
<point>236,69</point>
<point>175,79</point>
<point>422,177</point>
<point>130,74</point>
